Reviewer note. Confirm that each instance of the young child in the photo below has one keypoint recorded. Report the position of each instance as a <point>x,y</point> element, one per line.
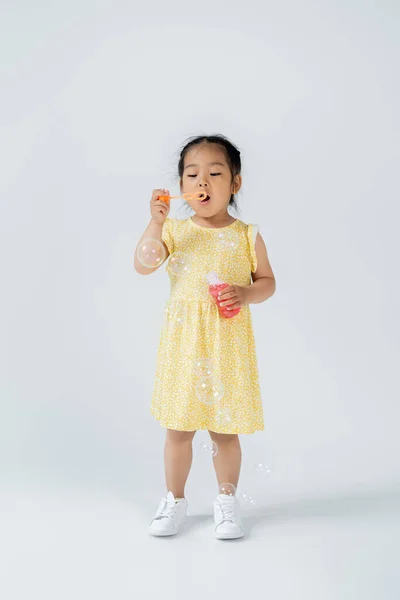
<point>206,375</point>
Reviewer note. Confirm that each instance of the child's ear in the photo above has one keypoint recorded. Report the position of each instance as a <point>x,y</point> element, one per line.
<point>237,184</point>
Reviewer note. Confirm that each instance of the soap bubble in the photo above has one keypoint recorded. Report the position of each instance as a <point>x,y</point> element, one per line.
<point>262,468</point>
<point>179,264</point>
<point>223,416</point>
<point>151,253</point>
<point>174,315</point>
<point>204,367</point>
<point>211,449</point>
<point>209,390</point>
<point>227,488</point>
<point>247,499</point>
<point>228,240</point>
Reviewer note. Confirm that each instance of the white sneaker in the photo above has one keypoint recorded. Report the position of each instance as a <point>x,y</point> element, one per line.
<point>170,515</point>
<point>228,521</point>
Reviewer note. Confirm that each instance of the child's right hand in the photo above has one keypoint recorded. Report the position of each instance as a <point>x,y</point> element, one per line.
<point>159,210</point>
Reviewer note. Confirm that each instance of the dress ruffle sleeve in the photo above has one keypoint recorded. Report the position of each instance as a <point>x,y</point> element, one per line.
<point>252,230</point>
<point>167,235</point>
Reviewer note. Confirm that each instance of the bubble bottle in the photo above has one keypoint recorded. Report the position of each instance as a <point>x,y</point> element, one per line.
<point>215,285</point>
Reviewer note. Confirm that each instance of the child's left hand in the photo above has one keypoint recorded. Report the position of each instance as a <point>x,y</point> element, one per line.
<point>233,296</point>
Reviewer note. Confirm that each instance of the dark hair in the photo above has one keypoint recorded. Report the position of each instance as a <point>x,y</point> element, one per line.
<point>232,156</point>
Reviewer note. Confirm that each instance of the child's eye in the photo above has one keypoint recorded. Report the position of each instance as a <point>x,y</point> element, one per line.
<point>210,174</point>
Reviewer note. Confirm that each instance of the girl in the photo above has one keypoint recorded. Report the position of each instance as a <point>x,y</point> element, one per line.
<point>206,375</point>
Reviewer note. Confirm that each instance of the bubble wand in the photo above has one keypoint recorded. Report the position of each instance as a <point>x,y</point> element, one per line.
<point>195,196</point>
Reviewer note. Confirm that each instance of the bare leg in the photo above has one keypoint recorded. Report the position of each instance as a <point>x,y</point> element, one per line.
<point>229,458</point>
<point>178,460</point>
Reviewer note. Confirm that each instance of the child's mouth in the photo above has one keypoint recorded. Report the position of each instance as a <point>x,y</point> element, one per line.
<point>206,200</point>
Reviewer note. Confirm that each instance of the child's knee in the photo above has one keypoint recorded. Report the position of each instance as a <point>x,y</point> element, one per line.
<point>224,438</point>
<point>179,437</point>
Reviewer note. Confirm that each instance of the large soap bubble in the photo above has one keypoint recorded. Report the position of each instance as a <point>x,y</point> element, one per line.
<point>179,264</point>
<point>151,253</point>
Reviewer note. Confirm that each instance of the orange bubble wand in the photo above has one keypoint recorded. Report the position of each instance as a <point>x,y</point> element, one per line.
<point>195,196</point>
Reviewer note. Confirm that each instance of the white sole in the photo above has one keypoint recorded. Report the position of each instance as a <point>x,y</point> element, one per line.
<point>227,536</point>
<point>166,533</point>
<point>162,533</point>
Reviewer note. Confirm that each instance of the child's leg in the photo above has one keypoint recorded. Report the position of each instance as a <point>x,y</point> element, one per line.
<point>228,460</point>
<point>178,460</point>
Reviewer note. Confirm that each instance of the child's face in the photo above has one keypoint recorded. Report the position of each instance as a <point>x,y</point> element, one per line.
<point>201,175</point>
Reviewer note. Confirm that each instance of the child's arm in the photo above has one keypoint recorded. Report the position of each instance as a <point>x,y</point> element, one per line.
<point>154,231</point>
<point>159,212</point>
<point>263,286</point>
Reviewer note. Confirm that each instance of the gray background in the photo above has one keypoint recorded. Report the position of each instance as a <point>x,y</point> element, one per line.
<point>96,100</point>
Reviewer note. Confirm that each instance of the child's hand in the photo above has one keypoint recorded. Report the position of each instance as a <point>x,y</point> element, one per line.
<point>159,210</point>
<point>233,296</point>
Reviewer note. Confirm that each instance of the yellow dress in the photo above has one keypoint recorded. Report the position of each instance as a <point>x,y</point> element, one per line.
<point>206,372</point>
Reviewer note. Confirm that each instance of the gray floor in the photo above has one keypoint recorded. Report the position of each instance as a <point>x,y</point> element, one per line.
<point>64,544</point>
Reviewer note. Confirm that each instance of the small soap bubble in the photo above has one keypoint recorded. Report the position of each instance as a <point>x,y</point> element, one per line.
<point>210,449</point>
<point>209,390</point>
<point>203,367</point>
<point>223,416</point>
<point>262,468</point>
<point>179,264</point>
<point>228,239</point>
<point>247,499</point>
<point>227,488</point>
<point>151,253</point>
<point>174,315</point>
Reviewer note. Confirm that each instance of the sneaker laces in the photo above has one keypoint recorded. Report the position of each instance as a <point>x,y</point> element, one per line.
<point>228,511</point>
<point>168,510</point>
